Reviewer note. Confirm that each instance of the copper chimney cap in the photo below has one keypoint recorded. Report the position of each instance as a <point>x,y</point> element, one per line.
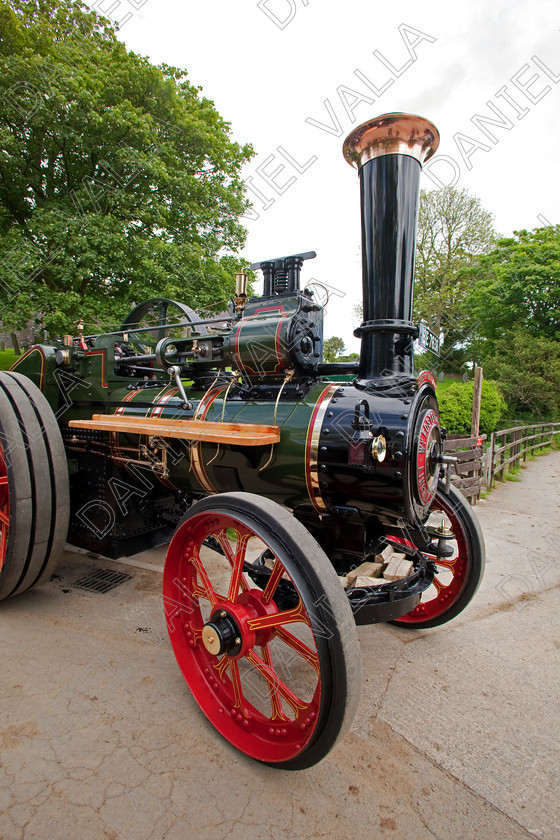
<point>391,134</point>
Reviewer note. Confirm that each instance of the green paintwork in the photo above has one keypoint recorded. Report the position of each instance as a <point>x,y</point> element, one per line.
<point>88,383</point>
<point>85,382</point>
<point>276,472</point>
<point>259,342</point>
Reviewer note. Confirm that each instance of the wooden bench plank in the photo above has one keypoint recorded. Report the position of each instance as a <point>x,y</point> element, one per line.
<point>454,442</point>
<point>469,492</point>
<point>468,466</point>
<point>468,455</point>
<point>463,483</point>
<point>206,431</point>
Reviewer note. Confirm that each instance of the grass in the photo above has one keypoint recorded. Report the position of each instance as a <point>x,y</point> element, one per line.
<point>513,473</point>
<point>443,386</point>
<point>552,447</point>
<point>7,358</point>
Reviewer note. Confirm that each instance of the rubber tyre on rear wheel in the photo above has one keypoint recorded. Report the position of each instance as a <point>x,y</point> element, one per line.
<point>34,492</point>
<point>289,689</point>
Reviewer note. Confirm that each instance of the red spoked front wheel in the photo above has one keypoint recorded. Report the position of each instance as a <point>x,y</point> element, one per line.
<point>261,629</point>
<point>459,575</point>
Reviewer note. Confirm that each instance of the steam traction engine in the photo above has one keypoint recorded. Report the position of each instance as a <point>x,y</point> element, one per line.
<point>273,474</point>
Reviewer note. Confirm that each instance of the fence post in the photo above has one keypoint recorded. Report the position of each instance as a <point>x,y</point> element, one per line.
<point>500,471</point>
<point>477,393</point>
<point>490,478</point>
<point>517,453</point>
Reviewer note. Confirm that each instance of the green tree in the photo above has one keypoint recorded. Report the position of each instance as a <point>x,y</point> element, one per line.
<point>517,286</point>
<point>528,369</point>
<point>333,347</point>
<point>515,300</point>
<point>453,232</point>
<point>119,181</point>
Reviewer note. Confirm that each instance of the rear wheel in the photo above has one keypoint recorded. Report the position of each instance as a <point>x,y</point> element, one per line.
<point>458,576</point>
<point>34,496</point>
<point>262,629</point>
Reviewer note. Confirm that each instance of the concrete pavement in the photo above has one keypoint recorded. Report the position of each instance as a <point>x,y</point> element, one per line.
<point>456,735</point>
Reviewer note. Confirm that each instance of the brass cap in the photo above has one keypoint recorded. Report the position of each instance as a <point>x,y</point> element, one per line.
<point>379,448</point>
<point>391,134</point>
<point>240,284</point>
<point>211,639</point>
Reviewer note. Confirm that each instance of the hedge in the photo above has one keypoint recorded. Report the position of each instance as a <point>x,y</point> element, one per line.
<point>455,404</point>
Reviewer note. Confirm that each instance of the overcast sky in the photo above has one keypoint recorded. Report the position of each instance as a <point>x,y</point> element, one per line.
<point>293,77</point>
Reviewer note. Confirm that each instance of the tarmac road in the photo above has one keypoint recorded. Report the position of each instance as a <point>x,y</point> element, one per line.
<point>456,737</point>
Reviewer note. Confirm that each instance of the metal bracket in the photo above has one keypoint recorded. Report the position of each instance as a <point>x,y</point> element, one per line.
<point>149,452</point>
<point>175,373</point>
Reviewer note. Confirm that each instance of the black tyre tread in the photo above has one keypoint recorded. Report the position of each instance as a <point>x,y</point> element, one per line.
<point>333,606</point>
<point>20,494</point>
<point>475,541</point>
<point>38,484</point>
<point>60,489</point>
<point>40,479</point>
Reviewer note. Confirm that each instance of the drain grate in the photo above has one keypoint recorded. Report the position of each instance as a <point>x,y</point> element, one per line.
<point>101,580</point>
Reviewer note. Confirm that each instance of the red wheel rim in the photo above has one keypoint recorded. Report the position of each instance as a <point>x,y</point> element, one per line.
<point>452,574</point>
<point>264,694</point>
<point>4,507</point>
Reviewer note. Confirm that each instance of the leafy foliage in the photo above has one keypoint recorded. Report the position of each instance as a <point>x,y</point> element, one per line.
<point>332,347</point>
<point>456,403</point>
<point>453,231</point>
<point>497,302</point>
<point>517,286</point>
<point>118,180</point>
<point>515,300</point>
<point>528,369</point>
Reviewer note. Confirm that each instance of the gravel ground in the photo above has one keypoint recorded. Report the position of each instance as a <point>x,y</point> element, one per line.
<point>456,735</point>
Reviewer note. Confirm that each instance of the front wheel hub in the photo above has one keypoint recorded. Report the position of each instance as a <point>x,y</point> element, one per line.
<point>427,456</point>
<point>221,635</point>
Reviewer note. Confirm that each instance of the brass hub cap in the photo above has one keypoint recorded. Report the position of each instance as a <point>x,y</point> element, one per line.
<point>221,634</point>
<point>211,639</point>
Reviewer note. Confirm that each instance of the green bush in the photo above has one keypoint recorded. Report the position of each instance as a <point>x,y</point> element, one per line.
<point>455,404</point>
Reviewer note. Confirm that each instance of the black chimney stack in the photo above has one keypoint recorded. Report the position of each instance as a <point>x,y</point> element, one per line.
<point>389,151</point>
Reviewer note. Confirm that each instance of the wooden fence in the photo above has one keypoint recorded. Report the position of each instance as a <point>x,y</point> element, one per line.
<point>509,447</point>
<point>467,473</point>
